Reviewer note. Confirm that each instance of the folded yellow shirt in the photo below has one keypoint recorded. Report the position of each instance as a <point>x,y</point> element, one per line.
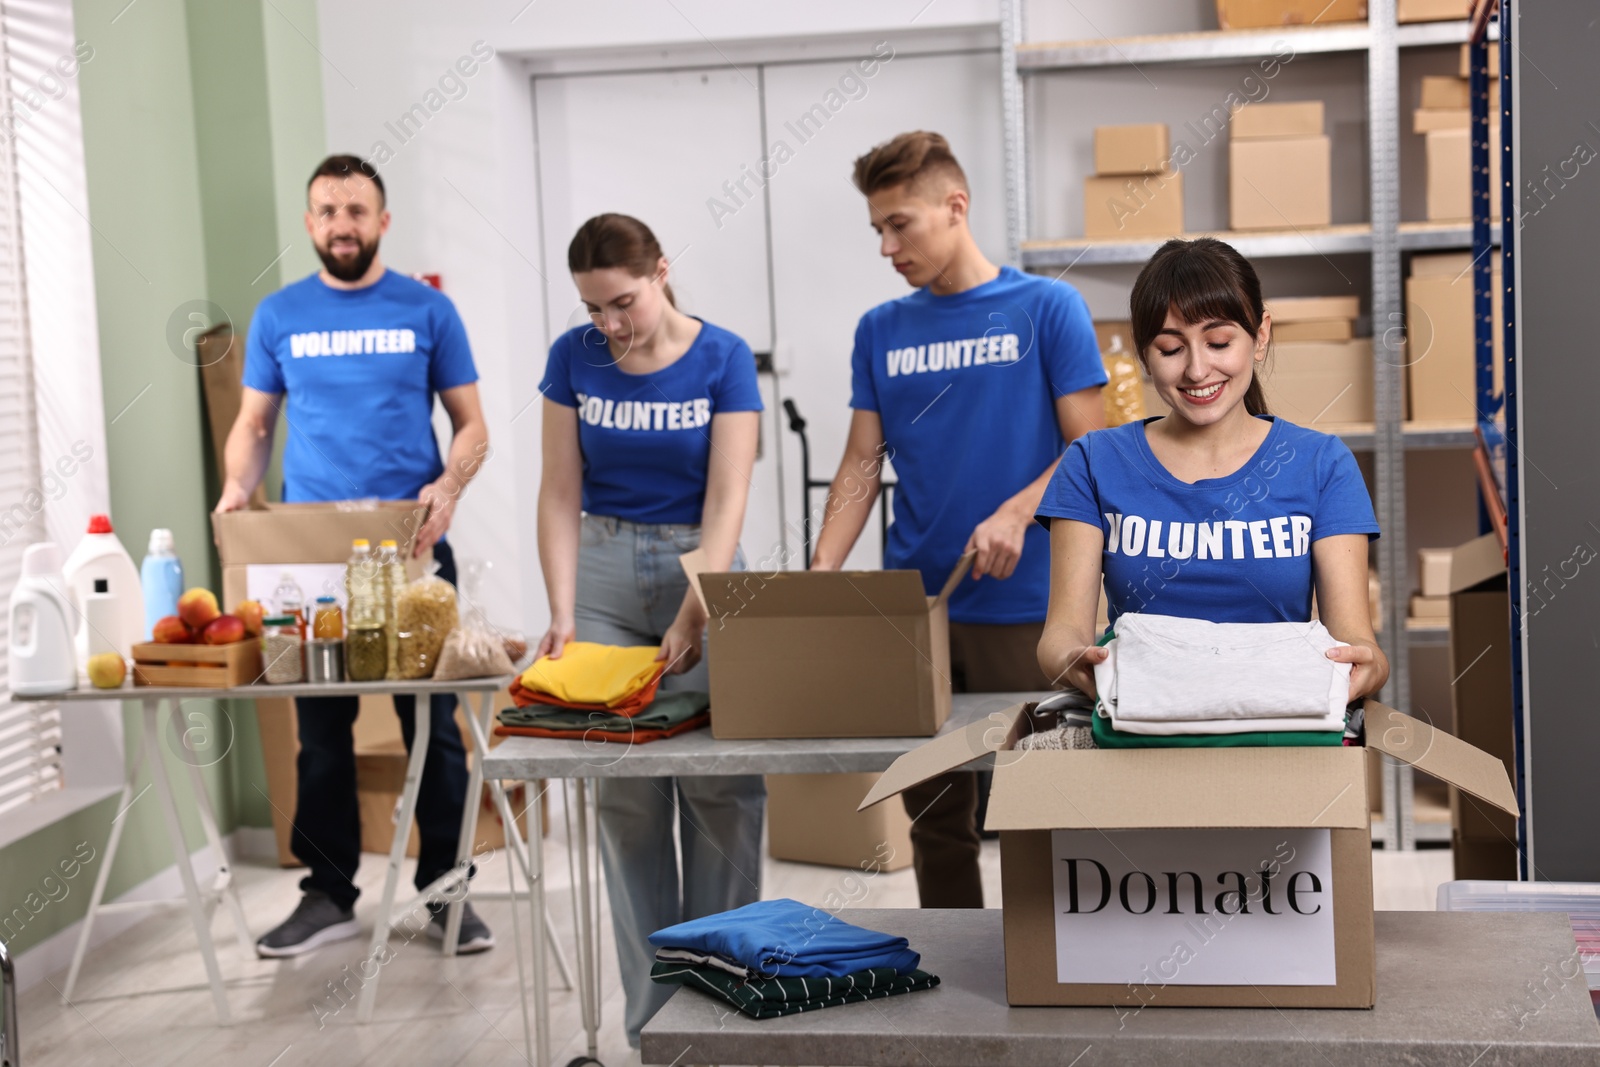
<point>588,673</point>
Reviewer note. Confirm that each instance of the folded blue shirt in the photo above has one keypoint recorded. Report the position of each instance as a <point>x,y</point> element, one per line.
<point>788,939</point>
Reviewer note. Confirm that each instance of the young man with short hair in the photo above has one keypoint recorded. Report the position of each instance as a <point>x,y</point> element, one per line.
<point>360,352</point>
<point>971,387</point>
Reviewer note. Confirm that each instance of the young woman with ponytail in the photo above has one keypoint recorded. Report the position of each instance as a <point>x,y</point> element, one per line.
<point>650,426</point>
<point>1219,510</point>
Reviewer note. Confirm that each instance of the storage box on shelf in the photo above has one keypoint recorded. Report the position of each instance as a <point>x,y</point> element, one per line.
<point>1251,14</point>
<point>1134,191</point>
<point>1279,167</point>
<point>1320,384</point>
<point>812,818</point>
<point>1441,376</point>
<point>1140,149</point>
<point>197,666</point>
<point>1432,10</point>
<point>1125,873</point>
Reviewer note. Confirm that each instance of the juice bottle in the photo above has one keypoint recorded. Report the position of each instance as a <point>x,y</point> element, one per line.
<point>328,622</point>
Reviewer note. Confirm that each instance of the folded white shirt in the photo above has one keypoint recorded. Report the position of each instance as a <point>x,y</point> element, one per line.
<point>1167,669</point>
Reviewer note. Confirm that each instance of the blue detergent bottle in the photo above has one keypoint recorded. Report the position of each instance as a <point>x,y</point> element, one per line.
<point>161,575</point>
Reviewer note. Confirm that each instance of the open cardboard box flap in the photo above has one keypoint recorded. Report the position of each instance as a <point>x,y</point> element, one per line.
<point>1172,787</point>
<point>787,594</point>
<point>1476,561</point>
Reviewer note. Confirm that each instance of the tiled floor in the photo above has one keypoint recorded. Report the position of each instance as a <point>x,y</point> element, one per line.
<point>143,1002</point>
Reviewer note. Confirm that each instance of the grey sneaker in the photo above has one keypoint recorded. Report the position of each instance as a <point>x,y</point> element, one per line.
<point>316,921</point>
<point>475,935</point>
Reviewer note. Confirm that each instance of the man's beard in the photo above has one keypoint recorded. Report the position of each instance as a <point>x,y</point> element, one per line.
<point>349,270</point>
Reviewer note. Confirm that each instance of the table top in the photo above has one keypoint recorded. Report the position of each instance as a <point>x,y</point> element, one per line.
<point>697,752</point>
<point>263,691</point>
<point>1453,988</point>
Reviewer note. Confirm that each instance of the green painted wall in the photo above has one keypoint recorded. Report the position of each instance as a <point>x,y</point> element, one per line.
<point>201,120</point>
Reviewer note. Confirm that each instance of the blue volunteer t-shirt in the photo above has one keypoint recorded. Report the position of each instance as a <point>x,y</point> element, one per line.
<point>966,386</point>
<point>1231,549</point>
<point>646,438</point>
<point>360,367</point>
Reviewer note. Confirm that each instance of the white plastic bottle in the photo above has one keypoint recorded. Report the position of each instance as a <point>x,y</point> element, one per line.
<point>41,657</point>
<point>100,555</point>
<point>161,575</point>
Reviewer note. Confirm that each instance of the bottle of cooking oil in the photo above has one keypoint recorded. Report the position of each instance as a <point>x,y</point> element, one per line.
<point>391,579</point>
<point>1124,392</point>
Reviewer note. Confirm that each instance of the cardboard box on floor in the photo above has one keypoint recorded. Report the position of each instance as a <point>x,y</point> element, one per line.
<point>1250,14</point>
<point>812,818</point>
<point>825,653</point>
<point>311,541</point>
<point>1484,839</point>
<point>1232,877</point>
<point>1140,205</point>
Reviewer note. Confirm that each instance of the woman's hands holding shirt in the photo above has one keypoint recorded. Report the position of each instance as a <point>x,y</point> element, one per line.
<point>1340,566</point>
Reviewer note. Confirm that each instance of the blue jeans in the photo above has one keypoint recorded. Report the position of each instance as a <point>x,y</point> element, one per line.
<point>327,820</point>
<point>630,587</point>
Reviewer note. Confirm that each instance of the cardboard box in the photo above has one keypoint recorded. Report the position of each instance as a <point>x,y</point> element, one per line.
<point>1299,119</point>
<point>1250,14</point>
<point>1312,308</point>
<point>1314,330</point>
<point>1465,68</point>
<point>380,778</point>
<point>1432,10</point>
<point>1171,827</point>
<point>812,818</point>
<point>825,653</point>
<point>1145,205</point>
<point>1144,149</point>
<point>1425,121</point>
<point>1320,384</point>
<point>1280,183</point>
<point>1480,658</point>
<point>1433,572</point>
<point>1444,91</point>
<point>1435,609</point>
<point>1441,382</point>
<point>1449,157</point>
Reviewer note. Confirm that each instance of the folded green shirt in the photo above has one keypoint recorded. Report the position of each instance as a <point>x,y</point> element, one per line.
<point>1107,736</point>
<point>769,998</point>
<point>666,711</point>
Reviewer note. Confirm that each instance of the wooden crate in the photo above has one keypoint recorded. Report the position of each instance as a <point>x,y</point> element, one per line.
<point>198,666</point>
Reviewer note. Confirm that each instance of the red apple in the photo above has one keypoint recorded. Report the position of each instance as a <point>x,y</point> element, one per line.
<point>171,630</point>
<point>250,613</point>
<point>198,607</point>
<point>223,630</point>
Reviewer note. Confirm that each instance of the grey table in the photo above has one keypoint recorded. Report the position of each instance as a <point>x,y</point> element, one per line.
<point>697,752</point>
<point>1453,988</point>
<point>477,698</point>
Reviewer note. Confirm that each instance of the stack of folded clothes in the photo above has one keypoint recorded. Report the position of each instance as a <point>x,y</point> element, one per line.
<point>781,957</point>
<point>600,693</point>
<point>1177,682</point>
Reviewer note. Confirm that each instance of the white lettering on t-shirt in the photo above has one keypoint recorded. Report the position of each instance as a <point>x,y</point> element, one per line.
<point>644,414</point>
<point>350,342</point>
<point>1280,537</point>
<point>952,354</point>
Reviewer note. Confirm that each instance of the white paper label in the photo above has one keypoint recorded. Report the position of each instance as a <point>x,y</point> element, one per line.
<point>261,581</point>
<point>1194,907</point>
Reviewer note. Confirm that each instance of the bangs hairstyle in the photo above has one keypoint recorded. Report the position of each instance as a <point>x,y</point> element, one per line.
<point>343,167</point>
<point>1204,280</point>
<point>913,159</point>
<point>616,240</point>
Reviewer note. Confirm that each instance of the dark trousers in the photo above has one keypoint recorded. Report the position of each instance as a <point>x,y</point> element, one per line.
<point>998,658</point>
<point>327,822</point>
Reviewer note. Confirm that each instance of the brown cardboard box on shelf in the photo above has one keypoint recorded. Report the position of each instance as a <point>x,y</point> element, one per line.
<point>1142,149</point>
<point>1449,155</point>
<point>1432,608</point>
<point>812,818</point>
<point>1440,380</point>
<point>1312,308</point>
<point>1279,183</point>
<point>1425,121</point>
<point>1320,384</point>
<point>1433,571</point>
<point>1484,838</point>
<point>1302,118</point>
<point>825,653</point>
<point>1445,91</point>
<point>1252,14</point>
<point>1120,868</point>
<point>1432,10</point>
<point>1141,205</point>
<point>1313,330</point>
<point>313,542</point>
<point>1465,69</point>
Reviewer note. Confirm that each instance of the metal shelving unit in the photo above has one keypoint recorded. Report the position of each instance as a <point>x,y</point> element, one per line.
<point>1383,238</point>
